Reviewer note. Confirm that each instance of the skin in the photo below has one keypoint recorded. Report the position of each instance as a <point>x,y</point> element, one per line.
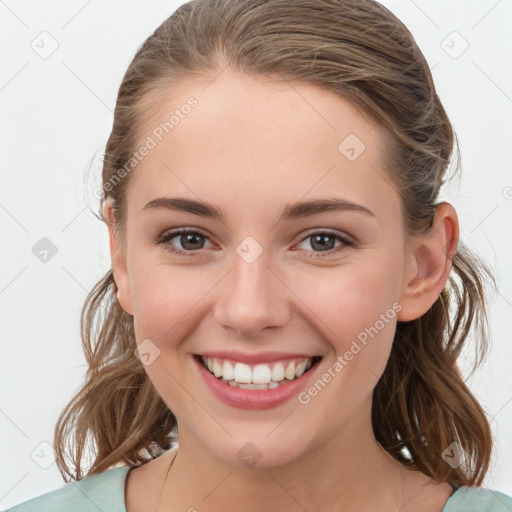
<point>251,147</point>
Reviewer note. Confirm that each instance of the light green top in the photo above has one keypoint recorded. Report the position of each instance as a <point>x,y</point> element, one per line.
<point>105,492</point>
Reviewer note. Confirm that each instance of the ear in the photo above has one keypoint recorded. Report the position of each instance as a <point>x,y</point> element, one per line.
<point>428,263</point>
<point>118,255</point>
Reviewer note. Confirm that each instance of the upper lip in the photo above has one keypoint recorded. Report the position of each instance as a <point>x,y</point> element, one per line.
<point>260,357</point>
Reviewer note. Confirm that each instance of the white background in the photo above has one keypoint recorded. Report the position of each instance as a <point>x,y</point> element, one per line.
<point>56,115</point>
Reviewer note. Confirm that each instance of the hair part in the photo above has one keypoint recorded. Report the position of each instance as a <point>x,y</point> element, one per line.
<point>362,52</point>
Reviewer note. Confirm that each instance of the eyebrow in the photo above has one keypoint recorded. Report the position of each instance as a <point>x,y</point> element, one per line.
<point>291,211</point>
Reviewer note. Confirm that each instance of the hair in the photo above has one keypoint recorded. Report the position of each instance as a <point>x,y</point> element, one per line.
<point>361,51</point>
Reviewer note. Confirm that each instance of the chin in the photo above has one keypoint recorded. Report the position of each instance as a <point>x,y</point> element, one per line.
<point>257,452</point>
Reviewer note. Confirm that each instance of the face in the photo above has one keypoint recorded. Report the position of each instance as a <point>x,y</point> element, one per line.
<point>261,277</point>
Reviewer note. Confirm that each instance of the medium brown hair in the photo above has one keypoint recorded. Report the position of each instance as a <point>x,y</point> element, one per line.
<point>361,51</point>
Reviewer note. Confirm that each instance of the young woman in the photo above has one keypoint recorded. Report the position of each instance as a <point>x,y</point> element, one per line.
<point>288,294</point>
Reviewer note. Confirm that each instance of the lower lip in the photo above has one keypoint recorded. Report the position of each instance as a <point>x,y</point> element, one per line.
<point>254,399</point>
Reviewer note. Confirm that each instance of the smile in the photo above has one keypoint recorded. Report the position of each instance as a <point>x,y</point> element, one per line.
<point>252,393</point>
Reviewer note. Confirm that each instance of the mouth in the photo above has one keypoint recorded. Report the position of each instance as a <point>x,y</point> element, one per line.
<point>258,377</point>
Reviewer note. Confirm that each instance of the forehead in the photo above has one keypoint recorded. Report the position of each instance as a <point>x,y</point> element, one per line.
<point>252,142</point>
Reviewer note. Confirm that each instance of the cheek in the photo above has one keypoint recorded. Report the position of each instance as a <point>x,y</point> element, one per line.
<point>166,298</point>
<point>355,302</point>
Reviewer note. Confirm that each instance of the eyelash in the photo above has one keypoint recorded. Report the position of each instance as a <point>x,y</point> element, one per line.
<point>166,237</point>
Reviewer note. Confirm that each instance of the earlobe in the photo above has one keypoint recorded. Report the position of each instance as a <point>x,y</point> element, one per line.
<point>117,253</point>
<point>429,263</point>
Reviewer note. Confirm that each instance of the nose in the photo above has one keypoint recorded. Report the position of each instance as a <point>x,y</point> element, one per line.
<point>251,298</point>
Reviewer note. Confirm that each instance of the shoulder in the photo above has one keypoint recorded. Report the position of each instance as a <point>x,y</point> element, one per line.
<point>104,491</point>
<point>478,499</point>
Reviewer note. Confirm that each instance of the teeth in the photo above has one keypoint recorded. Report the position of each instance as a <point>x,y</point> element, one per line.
<point>270,385</point>
<point>227,371</point>
<point>290,371</point>
<point>278,372</point>
<point>243,373</point>
<point>217,368</point>
<point>261,376</point>
<point>301,368</point>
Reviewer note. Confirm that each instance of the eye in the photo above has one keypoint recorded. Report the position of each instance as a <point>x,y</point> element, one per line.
<point>189,239</point>
<point>324,240</point>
